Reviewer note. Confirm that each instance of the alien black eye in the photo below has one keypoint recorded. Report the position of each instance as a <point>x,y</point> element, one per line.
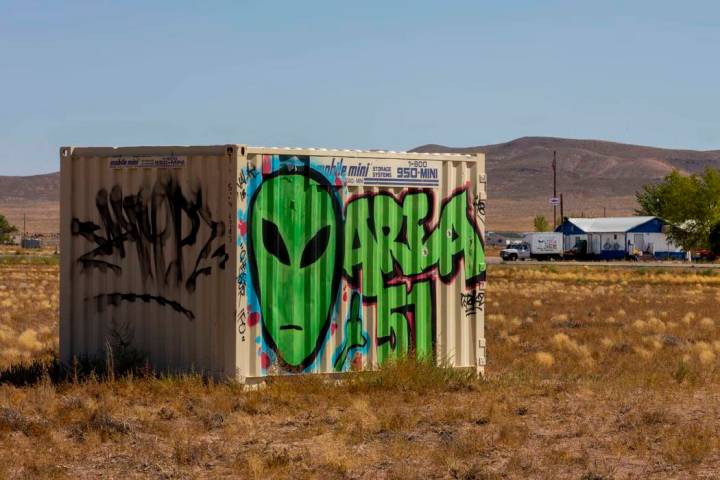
<point>315,247</point>
<point>273,242</point>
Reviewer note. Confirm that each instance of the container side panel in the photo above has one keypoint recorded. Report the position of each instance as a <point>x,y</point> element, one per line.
<point>146,245</point>
<point>346,263</point>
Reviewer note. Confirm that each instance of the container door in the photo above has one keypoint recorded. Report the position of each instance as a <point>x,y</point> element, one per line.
<point>353,261</point>
<point>146,239</point>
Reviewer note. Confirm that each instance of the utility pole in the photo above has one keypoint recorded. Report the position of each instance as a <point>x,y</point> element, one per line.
<point>562,209</point>
<point>554,166</point>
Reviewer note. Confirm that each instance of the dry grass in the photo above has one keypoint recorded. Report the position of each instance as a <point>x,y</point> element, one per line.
<point>613,374</point>
<point>28,311</point>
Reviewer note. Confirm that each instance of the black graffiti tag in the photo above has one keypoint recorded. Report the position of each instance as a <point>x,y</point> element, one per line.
<point>472,302</point>
<point>241,320</point>
<point>479,208</point>
<point>151,222</point>
<point>244,178</point>
<point>115,298</point>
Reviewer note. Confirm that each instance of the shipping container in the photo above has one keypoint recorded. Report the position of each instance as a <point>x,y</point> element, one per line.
<point>242,262</point>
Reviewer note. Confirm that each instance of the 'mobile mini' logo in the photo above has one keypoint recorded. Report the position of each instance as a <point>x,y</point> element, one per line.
<point>169,161</point>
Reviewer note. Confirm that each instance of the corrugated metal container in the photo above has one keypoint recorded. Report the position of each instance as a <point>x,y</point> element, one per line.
<point>244,262</point>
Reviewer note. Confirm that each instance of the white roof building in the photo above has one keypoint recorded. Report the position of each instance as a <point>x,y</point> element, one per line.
<point>609,224</point>
<point>616,237</point>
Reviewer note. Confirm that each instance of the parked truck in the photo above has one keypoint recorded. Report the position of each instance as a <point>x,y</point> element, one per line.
<point>536,245</point>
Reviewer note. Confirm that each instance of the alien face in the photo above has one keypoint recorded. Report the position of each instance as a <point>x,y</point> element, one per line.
<point>295,251</point>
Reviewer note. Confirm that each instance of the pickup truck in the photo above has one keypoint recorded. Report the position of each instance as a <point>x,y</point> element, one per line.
<point>515,251</point>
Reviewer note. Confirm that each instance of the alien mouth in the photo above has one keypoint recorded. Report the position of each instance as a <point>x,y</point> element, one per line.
<point>291,327</point>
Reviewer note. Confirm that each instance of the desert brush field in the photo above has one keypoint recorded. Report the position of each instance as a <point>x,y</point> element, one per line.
<point>593,373</point>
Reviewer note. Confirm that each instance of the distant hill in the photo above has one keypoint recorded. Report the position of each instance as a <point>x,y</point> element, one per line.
<point>595,177</point>
<point>33,188</point>
<point>522,168</point>
<point>35,198</point>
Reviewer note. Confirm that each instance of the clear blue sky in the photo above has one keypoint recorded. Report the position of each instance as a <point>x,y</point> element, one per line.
<point>358,74</point>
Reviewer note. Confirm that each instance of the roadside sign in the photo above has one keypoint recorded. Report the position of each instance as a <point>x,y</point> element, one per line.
<point>555,201</point>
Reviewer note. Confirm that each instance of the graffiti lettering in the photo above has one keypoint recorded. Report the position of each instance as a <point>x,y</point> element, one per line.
<point>472,302</point>
<point>391,245</point>
<point>151,222</point>
<point>241,321</point>
<point>391,240</point>
<point>246,175</point>
<point>242,269</point>
<point>479,208</point>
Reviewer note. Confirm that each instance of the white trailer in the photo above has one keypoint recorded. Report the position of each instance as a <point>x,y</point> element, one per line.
<point>536,245</point>
<point>545,245</point>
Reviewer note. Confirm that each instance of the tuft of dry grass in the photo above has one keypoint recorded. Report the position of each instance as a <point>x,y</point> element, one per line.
<point>545,359</point>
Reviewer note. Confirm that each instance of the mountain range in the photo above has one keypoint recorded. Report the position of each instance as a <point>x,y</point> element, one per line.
<point>595,177</point>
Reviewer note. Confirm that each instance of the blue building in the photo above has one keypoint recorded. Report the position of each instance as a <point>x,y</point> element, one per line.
<point>612,238</point>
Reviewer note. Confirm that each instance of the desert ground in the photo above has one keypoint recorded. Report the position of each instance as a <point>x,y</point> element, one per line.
<point>593,373</point>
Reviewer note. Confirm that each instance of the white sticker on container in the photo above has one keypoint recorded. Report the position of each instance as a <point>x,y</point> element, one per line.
<point>377,172</point>
<point>169,161</point>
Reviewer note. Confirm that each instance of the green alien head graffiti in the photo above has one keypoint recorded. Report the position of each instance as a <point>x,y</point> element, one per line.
<point>295,241</point>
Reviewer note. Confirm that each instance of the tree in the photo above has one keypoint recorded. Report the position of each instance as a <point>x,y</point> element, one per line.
<point>541,224</point>
<point>690,205</point>
<point>6,230</point>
